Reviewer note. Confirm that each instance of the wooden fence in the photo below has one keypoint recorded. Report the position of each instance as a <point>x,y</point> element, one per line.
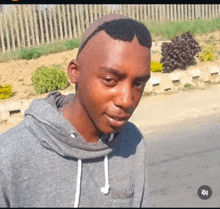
<point>31,25</point>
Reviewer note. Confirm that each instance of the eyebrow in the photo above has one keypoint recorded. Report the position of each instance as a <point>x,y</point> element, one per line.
<point>113,71</point>
<point>123,75</point>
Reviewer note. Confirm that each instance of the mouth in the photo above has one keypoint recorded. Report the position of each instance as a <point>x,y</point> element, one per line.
<point>116,121</point>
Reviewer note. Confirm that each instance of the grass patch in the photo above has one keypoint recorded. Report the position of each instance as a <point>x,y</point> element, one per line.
<point>4,57</point>
<point>188,87</point>
<point>35,52</point>
<point>169,29</point>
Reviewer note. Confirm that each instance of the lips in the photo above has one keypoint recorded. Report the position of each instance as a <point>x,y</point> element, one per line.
<point>116,121</point>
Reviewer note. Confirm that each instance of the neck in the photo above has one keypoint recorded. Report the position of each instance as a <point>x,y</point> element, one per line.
<point>75,114</point>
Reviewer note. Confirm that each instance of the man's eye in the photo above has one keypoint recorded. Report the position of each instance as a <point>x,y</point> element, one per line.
<point>140,84</point>
<point>109,81</point>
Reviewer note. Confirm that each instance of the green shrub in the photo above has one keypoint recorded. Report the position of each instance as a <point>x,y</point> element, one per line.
<point>30,53</point>
<point>49,79</point>
<point>72,44</point>
<point>208,53</point>
<point>5,91</point>
<point>156,66</point>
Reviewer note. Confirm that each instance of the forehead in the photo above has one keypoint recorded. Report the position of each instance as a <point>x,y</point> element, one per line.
<point>104,50</point>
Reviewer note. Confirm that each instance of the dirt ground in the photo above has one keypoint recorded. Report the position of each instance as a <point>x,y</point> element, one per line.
<point>18,73</point>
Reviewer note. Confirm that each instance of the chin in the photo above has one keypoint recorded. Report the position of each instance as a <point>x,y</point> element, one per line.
<point>111,130</point>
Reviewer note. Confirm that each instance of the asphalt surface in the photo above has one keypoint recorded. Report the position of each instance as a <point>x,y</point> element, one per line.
<point>181,158</point>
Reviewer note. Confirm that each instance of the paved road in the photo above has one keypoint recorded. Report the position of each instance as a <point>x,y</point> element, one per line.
<point>182,157</point>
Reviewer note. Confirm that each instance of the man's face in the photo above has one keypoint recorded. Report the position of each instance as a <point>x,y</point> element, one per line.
<point>112,75</point>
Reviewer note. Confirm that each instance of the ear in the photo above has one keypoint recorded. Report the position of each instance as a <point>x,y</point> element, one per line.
<point>73,71</point>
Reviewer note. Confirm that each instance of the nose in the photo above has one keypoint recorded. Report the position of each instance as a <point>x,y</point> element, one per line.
<point>124,99</point>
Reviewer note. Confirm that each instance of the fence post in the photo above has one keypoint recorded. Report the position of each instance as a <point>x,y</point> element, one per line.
<point>32,25</point>
<point>91,13</point>
<point>99,12</point>
<point>64,21</point>
<point>78,22</point>
<point>22,27</point>
<point>133,14</point>
<point>26,26</point>
<point>35,21</point>
<point>142,15</point>
<point>120,9</point>
<point>215,7</point>
<point>174,10</point>
<point>73,20</point>
<point>182,12</point>
<point>103,9</point>
<point>51,25</point>
<point>2,35</point>
<point>108,9</point>
<point>60,22</point>
<point>149,12</point>
<point>45,23</point>
<point>171,12</point>
<point>178,12</point>
<point>193,12</point>
<point>137,12</point>
<point>82,18</point>
<point>6,28</point>
<point>202,7</point>
<point>95,11</point>
<point>152,13</point>
<point>69,23</point>
<point>129,10</point>
<point>213,12</point>
<point>185,12</point>
<point>156,12</point>
<point>167,12</point>
<point>218,10</point>
<point>55,22</point>
<point>162,12</point>
<point>11,26</point>
<point>188,11</point>
<point>41,24</point>
<point>145,12</point>
<point>87,15</point>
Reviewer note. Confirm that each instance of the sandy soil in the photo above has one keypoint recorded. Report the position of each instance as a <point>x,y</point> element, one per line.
<point>18,73</point>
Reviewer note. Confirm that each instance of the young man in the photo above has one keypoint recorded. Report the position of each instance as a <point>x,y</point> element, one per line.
<point>80,150</point>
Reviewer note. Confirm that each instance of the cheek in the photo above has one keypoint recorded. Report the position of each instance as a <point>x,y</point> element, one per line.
<point>93,97</point>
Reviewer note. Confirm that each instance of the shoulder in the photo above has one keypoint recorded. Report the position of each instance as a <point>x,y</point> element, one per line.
<point>132,135</point>
<point>13,141</point>
<point>131,140</point>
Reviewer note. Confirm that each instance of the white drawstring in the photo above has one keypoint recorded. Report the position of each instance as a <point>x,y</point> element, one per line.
<point>76,204</point>
<point>104,190</point>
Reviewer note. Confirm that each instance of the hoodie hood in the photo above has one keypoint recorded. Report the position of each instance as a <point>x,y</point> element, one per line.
<point>56,133</point>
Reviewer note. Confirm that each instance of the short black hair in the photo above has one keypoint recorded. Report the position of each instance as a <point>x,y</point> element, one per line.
<point>125,30</point>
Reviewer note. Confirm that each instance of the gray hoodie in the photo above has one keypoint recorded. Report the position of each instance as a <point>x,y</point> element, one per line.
<point>45,162</point>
